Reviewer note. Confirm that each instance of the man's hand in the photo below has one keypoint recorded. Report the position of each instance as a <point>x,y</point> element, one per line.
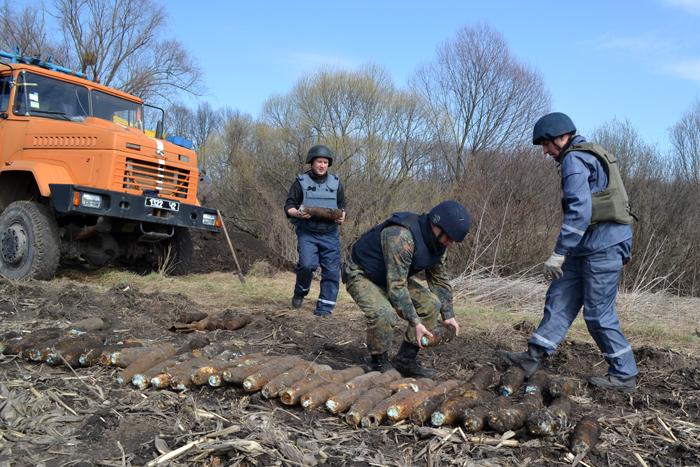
<point>421,331</point>
<point>453,323</point>
<point>552,267</point>
<point>294,212</point>
<point>341,220</point>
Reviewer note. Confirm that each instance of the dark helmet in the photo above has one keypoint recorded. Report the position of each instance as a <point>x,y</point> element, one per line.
<point>452,218</point>
<point>551,126</point>
<point>319,151</point>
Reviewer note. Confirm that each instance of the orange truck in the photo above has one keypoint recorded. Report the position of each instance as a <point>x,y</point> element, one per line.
<point>81,180</point>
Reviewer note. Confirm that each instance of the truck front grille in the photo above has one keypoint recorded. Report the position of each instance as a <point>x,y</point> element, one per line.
<point>167,180</point>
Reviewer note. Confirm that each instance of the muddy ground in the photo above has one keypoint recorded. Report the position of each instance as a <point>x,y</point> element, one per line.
<point>53,416</point>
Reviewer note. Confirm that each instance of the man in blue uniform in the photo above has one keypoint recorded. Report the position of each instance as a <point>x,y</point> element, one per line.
<point>318,241</point>
<point>594,243</point>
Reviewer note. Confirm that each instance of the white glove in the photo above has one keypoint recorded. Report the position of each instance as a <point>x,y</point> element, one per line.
<point>552,267</point>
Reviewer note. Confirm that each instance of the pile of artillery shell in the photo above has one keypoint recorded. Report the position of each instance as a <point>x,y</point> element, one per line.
<point>515,416</point>
<point>551,420</point>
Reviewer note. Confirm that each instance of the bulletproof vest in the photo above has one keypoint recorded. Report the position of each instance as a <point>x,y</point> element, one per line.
<point>322,195</point>
<point>368,254</point>
<point>612,203</point>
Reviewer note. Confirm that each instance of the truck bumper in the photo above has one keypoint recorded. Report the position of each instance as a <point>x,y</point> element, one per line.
<point>67,200</point>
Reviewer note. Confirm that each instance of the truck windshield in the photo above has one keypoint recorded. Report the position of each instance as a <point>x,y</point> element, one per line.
<point>116,109</point>
<point>47,97</point>
<point>4,92</point>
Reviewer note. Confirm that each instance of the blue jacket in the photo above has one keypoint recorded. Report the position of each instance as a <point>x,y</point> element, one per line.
<point>581,175</point>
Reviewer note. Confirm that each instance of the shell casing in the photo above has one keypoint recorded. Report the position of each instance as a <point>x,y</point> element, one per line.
<point>484,377</point>
<point>260,378</point>
<point>142,380</point>
<point>68,349</point>
<point>366,380</point>
<point>340,402</point>
<point>320,395</point>
<point>414,384</point>
<point>585,435</point>
<point>551,420</point>
<point>440,335</point>
<point>511,381</point>
<point>238,374</point>
<point>122,358</point>
<point>188,317</point>
<point>201,375</point>
<point>377,414</point>
<point>97,355</point>
<point>293,393</point>
<point>181,373</point>
<point>148,359</point>
<point>559,387</point>
<point>325,214</point>
<point>403,410</point>
<point>281,381</point>
<point>15,345</point>
<point>514,417</point>
<point>452,410</point>
<point>425,409</point>
<point>364,404</point>
<point>474,418</point>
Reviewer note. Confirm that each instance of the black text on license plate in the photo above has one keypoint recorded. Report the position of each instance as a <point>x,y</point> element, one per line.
<point>162,204</point>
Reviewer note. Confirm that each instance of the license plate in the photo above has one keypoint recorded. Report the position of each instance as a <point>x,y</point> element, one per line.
<point>162,204</point>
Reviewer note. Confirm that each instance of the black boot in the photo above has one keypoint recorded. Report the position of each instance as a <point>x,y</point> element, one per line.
<point>529,361</point>
<point>380,362</point>
<point>406,362</point>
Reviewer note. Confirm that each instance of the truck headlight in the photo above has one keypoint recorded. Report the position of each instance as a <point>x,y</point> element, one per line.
<point>90,200</point>
<point>209,219</point>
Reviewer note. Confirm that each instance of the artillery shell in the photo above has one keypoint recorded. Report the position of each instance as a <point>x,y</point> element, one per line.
<point>344,399</point>
<point>511,381</point>
<point>237,374</point>
<point>14,346</point>
<point>211,323</point>
<point>377,414</point>
<point>147,360</point>
<point>537,383</point>
<point>364,404</point>
<point>425,409</point>
<point>509,418</point>
<point>122,358</point>
<point>89,324</point>
<point>452,410</point>
<point>142,380</point>
<point>440,335</point>
<point>198,341</point>
<point>401,411</point>
<point>474,418</point>
<point>181,374</point>
<point>68,349</point>
<point>559,387</point>
<point>201,375</point>
<point>299,371</point>
<point>484,377</point>
<point>325,214</point>
<point>552,420</point>
<point>365,380</point>
<point>188,317</point>
<point>320,395</point>
<point>410,383</point>
<point>585,435</point>
<point>260,378</point>
<point>341,401</point>
<point>95,356</point>
<point>293,393</point>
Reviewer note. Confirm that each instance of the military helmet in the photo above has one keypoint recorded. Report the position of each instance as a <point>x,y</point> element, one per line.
<point>452,218</point>
<point>319,151</point>
<point>551,126</point>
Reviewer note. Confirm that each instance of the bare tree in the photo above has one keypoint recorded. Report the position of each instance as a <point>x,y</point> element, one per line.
<point>480,97</point>
<point>685,140</point>
<point>27,30</point>
<point>117,42</point>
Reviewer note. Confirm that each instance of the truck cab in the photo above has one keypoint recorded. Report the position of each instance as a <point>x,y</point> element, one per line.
<point>82,179</point>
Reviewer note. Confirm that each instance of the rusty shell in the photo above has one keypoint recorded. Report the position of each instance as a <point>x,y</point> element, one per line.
<point>411,383</point>
<point>188,317</point>
<point>89,324</point>
<point>201,375</point>
<point>217,378</point>
<point>260,378</point>
<point>403,410</point>
<point>340,402</point>
<point>320,395</point>
<point>551,420</point>
<point>293,393</point>
<point>452,410</point>
<point>324,214</point>
<point>511,381</point>
<point>364,404</point>
<point>299,371</point>
<point>181,374</point>
<point>377,414</point>
<point>474,418</point>
<point>142,379</point>
<point>585,435</point>
<point>67,350</point>
<point>514,417</point>
<point>440,335</point>
<point>238,374</point>
<point>373,378</point>
<point>425,409</point>
<point>14,346</point>
<point>484,377</point>
<point>97,356</point>
<point>122,358</point>
<point>561,386</point>
<point>147,360</point>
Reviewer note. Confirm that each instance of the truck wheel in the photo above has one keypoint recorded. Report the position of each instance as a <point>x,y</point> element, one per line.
<point>30,247</point>
<point>181,252</point>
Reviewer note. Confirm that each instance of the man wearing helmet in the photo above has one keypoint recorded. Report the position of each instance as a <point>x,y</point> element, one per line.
<point>318,241</point>
<point>379,277</point>
<point>594,243</point>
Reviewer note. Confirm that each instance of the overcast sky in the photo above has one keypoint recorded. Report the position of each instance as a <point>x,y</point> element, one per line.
<point>634,60</point>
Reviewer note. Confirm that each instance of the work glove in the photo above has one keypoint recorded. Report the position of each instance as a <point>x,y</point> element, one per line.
<point>552,267</point>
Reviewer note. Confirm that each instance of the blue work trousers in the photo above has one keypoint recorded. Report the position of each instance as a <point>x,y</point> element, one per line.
<point>592,282</point>
<point>316,249</point>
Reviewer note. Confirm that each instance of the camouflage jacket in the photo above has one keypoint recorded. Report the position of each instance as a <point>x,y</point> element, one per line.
<point>398,247</point>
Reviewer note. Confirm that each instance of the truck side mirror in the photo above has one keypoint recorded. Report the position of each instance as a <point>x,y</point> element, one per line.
<point>159,129</point>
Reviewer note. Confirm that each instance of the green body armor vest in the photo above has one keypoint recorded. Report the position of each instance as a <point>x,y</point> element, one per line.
<point>612,203</point>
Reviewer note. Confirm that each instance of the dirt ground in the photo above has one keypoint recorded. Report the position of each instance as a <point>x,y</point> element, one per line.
<point>57,416</point>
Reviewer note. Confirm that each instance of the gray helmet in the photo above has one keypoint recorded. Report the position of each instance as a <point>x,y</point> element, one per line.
<point>551,126</point>
<point>452,218</point>
<point>319,151</point>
